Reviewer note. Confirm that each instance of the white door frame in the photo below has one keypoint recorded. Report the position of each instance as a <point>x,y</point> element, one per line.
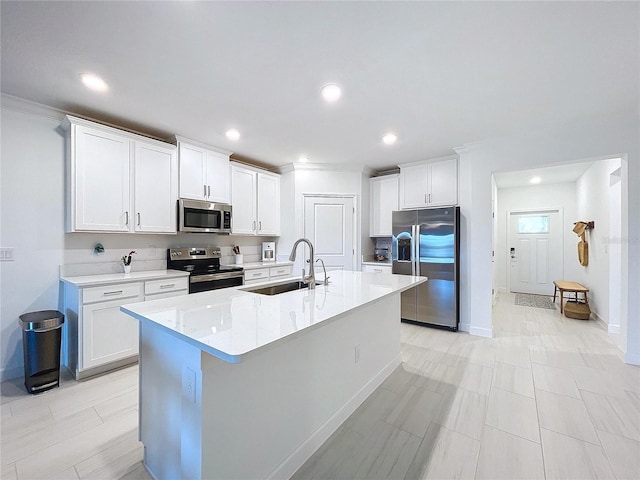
<point>354,221</point>
<point>525,211</point>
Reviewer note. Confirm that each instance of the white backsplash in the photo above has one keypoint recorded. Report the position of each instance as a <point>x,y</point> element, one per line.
<point>151,251</point>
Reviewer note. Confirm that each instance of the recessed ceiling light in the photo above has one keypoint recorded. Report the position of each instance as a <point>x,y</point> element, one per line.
<point>303,159</point>
<point>232,134</point>
<point>535,180</point>
<point>331,92</point>
<point>389,138</point>
<point>94,82</point>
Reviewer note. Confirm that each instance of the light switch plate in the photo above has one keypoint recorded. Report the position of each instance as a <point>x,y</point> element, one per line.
<point>6,254</point>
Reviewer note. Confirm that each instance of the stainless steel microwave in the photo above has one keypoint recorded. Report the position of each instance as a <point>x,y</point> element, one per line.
<point>205,217</point>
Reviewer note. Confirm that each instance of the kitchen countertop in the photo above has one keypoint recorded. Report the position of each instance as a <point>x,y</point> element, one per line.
<point>255,265</point>
<point>111,278</point>
<point>232,323</point>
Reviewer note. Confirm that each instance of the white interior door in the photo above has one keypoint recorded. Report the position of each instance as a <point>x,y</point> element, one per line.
<point>535,251</point>
<point>328,223</point>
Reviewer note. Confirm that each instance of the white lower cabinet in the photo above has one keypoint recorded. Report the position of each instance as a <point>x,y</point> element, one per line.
<point>97,336</point>
<point>256,275</point>
<point>377,268</point>
<point>108,335</point>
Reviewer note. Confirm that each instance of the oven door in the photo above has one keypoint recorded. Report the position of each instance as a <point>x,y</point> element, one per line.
<point>215,281</point>
<point>206,217</point>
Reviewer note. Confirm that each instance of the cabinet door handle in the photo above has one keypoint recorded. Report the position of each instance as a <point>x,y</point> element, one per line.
<point>254,225</point>
<point>138,218</point>
<point>425,198</point>
<point>260,225</point>
<point>208,190</point>
<point>429,198</point>
<point>126,221</point>
<point>116,292</point>
<point>205,191</point>
<point>168,285</point>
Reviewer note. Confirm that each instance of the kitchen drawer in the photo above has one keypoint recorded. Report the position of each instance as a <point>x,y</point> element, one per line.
<point>111,292</point>
<point>377,268</point>
<point>280,271</point>
<point>165,285</point>
<point>156,296</point>
<point>257,274</point>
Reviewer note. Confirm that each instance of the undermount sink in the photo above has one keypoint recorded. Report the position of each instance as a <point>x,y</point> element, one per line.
<point>280,288</point>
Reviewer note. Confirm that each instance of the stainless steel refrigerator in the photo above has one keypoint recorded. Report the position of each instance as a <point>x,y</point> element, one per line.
<point>426,243</point>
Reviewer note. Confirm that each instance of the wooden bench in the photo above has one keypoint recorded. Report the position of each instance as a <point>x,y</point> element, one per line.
<point>571,287</point>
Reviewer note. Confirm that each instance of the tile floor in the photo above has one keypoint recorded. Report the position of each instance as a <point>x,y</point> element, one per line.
<point>547,397</point>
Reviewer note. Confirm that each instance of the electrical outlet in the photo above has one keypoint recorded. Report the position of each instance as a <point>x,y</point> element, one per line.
<point>189,384</point>
<point>357,354</point>
<point>6,254</point>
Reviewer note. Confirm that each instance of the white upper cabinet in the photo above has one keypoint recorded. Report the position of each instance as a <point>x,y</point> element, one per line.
<point>255,199</point>
<point>118,181</point>
<point>155,188</point>
<point>204,173</point>
<point>384,200</point>
<point>429,184</point>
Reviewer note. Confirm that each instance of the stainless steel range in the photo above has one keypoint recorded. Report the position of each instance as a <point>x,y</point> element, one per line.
<point>204,266</point>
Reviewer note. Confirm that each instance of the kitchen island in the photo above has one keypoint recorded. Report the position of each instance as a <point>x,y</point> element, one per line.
<point>235,384</point>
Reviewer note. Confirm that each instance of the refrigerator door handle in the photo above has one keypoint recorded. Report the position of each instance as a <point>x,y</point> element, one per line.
<point>415,253</point>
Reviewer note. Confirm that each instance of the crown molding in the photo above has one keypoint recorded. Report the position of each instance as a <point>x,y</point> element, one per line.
<point>429,160</point>
<point>196,143</point>
<point>21,105</point>
<point>327,167</point>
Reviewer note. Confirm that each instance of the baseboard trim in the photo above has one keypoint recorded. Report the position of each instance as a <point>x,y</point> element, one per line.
<point>613,328</point>
<point>481,331</point>
<point>11,373</point>
<point>632,358</point>
<point>294,461</point>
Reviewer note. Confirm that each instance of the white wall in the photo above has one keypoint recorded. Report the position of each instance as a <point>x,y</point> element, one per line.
<point>592,191</point>
<point>32,221</point>
<point>302,179</point>
<point>560,195</point>
<point>615,136</point>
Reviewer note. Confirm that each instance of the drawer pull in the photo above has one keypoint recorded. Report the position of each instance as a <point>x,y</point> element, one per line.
<point>117,292</point>
<point>281,271</point>
<point>168,286</point>
<point>377,270</point>
<point>256,274</point>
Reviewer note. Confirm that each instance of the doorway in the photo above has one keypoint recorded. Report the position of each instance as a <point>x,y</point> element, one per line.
<point>535,250</point>
<point>329,223</point>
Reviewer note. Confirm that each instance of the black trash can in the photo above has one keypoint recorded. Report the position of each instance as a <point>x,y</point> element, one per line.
<point>41,336</point>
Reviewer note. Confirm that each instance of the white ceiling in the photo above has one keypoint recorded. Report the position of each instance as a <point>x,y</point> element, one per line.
<point>439,74</point>
<point>557,174</point>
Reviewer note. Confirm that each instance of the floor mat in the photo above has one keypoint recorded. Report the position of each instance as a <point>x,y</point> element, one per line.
<point>539,301</point>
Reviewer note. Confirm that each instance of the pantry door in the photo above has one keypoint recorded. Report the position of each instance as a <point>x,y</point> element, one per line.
<point>329,225</point>
<point>535,250</point>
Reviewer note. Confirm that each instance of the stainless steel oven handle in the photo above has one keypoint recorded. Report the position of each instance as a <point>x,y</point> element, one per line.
<point>215,276</point>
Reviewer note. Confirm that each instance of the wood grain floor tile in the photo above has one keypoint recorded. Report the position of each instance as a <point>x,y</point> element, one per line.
<point>613,415</point>
<point>444,454</point>
<point>565,415</point>
<point>555,380</point>
<point>513,379</point>
<point>513,413</point>
<point>623,455</point>
<point>569,458</point>
<point>505,456</point>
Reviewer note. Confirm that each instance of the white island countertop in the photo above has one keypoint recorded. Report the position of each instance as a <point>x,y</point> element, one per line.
<point>233,323</point>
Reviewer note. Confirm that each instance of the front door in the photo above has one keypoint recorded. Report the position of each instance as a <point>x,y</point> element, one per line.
<point>535,251</point>
<point>328,223</point>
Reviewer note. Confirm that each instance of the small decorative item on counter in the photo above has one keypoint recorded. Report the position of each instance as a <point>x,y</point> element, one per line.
<point>98,249</point>
<point>239,257</point>
<point>126,261</point>
<point>236,249</point>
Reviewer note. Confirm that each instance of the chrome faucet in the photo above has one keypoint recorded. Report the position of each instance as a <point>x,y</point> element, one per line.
<point>309,279</point>
<point>326,279</point>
